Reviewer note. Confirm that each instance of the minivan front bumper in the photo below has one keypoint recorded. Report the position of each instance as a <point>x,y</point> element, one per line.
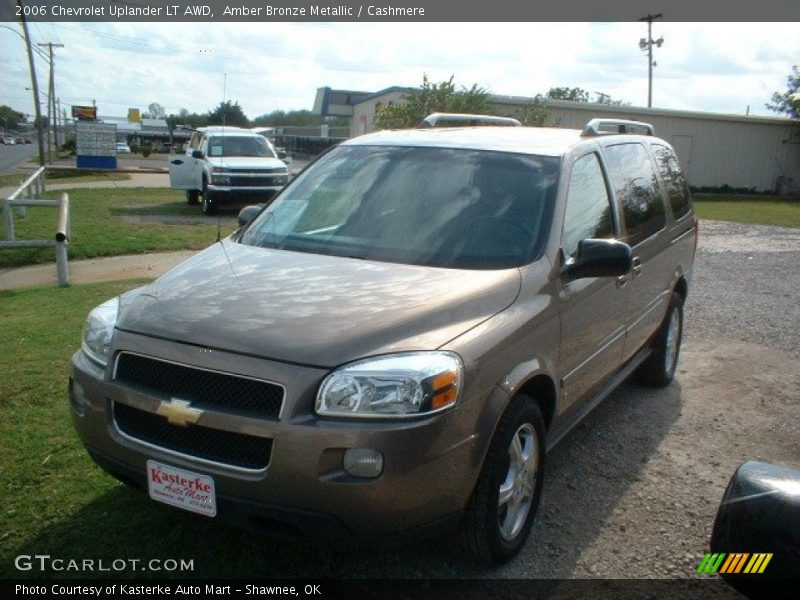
<point>430,464</point>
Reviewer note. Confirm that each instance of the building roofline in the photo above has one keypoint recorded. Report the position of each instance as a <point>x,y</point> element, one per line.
<point>668,112</point>
<point>389,90</point>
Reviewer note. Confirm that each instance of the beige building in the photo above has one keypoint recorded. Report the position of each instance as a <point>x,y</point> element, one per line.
<point>751,152</point>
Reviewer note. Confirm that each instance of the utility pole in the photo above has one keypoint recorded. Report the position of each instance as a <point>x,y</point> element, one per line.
<point>51,99</point>
<point>647,44</point>
<point>34,85</point>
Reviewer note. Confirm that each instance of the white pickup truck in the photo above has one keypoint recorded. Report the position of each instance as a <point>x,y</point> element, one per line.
<point>227,164</point>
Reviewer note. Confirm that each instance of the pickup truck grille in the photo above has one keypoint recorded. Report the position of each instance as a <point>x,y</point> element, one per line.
<point>196,441</point>
<point>259,181</point>
<point>207,390</point>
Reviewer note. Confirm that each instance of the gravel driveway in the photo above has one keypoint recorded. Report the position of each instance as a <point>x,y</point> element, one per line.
<point>632,492</point>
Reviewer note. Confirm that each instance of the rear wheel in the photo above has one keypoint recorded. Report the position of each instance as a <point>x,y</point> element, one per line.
<point>659,368</point>
<point>508,490</point>
<point>192,197</point>
<point>209,207</point>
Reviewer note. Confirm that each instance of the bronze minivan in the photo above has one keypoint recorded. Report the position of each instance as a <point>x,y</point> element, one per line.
<point>394,343</point>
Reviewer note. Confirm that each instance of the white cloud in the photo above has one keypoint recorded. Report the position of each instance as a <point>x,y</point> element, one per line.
<point>701,66</point>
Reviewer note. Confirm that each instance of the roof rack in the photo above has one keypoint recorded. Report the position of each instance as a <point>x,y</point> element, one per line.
<point>432,119</point>
<point>616,126</point>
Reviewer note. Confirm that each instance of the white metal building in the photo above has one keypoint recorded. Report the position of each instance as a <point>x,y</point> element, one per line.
<point>716,150</point>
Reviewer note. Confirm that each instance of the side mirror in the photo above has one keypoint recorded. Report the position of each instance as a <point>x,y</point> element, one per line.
<point>600,258</point>
<point>248,213</point>
<point>197,154</point>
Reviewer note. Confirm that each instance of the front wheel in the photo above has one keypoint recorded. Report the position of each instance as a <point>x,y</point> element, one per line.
<point>659,368</point>
<point>209,207</point>
<point>508,490</point>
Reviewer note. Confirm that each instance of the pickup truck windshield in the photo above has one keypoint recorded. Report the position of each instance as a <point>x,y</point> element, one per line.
<point>437,207</point>
<point>239,146</point>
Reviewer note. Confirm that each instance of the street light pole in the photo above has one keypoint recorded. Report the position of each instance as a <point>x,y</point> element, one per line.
<point>51,98</point>
<point>648,44</point>
<point>34,85</point>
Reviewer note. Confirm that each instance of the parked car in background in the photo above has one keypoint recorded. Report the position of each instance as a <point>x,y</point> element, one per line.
<point>392,346</point>
<point>2,139</point>
<point>28,141</point>
<point>123,148</point>
<point>227,164</point>
<point>10,141</point>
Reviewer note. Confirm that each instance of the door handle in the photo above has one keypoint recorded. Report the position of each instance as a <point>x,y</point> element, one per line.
<point>177,161</point>
<point>637,266</point>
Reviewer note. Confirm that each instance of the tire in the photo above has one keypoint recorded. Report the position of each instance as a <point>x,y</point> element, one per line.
<point>494,533</point>
<point>209,207</point>
<point>192,197</point>
<point>659,368</point>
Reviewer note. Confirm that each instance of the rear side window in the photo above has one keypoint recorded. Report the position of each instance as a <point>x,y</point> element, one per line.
<point>670,169</point>
<point>636,186</point>
<point>588,213</point>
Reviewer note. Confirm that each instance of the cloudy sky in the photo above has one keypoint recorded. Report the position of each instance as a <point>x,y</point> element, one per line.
<point>701,66</point>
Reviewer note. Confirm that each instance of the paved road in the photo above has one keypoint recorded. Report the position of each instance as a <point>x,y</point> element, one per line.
<point>11,156</point>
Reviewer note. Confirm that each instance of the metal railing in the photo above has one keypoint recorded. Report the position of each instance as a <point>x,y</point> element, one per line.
<point>27,195</point>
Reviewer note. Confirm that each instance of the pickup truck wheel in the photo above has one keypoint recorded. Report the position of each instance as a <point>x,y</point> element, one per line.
<point>659,368</point>
<point>209,207</point>
<point>507,494</point>
<point>192,197</point>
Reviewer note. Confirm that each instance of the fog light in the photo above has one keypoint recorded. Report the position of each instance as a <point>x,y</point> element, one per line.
<point>77,397</point>
<point>361,462</point>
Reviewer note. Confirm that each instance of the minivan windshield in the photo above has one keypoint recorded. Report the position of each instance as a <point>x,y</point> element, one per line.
<point>239,145</point>
<point>440,207</point>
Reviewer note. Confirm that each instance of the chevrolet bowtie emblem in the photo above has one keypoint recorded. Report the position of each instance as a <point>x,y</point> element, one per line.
<point>179,412</point>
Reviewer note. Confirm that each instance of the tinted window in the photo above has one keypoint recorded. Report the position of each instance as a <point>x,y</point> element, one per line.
<point>588,213</point>
<point>427,206</point>
<point>670,169</point>
<point>239,145</point>
<point>636,186</point>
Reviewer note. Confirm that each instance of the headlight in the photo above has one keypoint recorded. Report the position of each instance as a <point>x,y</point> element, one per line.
<point>395,385</point>
<point>282,180</point>
<point>99,331</point>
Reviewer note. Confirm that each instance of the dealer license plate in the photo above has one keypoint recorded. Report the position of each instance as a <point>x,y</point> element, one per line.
<point>184,489</point>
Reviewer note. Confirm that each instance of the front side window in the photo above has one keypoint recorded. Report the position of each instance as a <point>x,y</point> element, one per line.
<point>588,213</point>
<point>671,173</point>
<point>636,187</point>
<point>439,207</point>
<point>245,146</point>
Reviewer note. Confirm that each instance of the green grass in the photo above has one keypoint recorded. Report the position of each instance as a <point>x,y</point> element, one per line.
<point>747,209</point>
<point>100,229</point>
<point>56,501</point>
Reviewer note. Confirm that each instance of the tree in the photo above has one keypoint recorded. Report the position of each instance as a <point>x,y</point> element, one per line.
<point>533,114</point>
<point>155,111</point>
<point>788,102</point>
<point>575,94</point>
<point>10,118</point>
<point>430,98</point>
<point>295,117</point>
<point>228,113</point>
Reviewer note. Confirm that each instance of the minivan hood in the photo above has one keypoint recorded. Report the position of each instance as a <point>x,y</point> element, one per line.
<point>313,309</point>
<point>246,162</point>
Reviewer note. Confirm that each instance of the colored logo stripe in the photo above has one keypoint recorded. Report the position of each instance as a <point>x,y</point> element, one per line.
<point>734,563</point>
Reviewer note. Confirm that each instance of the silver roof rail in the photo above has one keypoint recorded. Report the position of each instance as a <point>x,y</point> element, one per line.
<point>432,119</point>
<point>616,126</point>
